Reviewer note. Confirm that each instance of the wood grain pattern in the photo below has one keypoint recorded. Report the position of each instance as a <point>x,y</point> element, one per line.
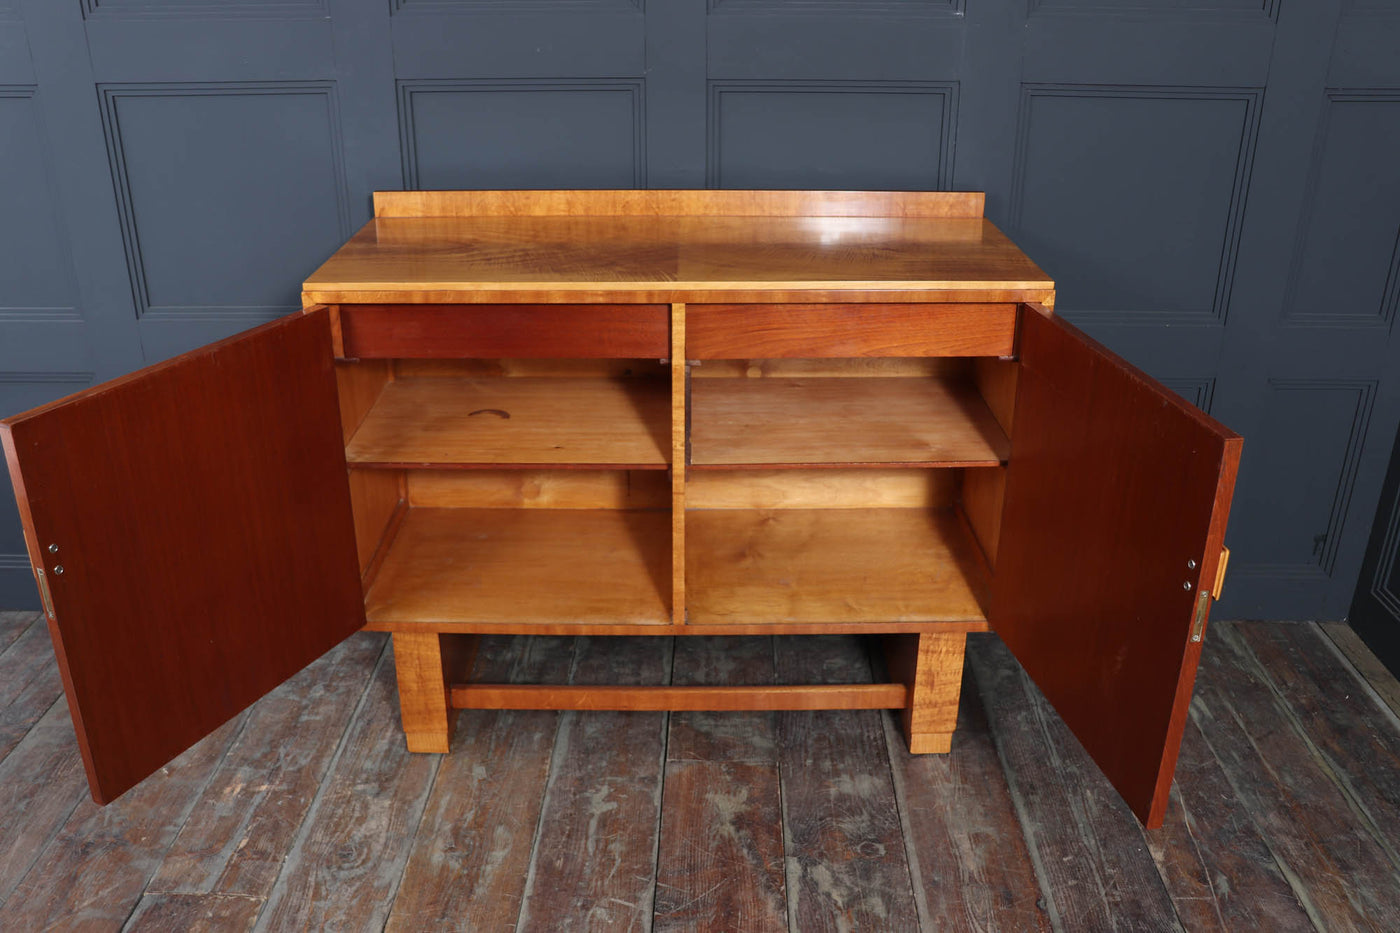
<point>523,566</point>
<point>246,817</point>
<point>721,857</point>
<point>518,367</point>
<point>996,383</point>
<point>468,863</point>
<point>358,386</point>
<point>846,863</point>
<point>594,865</point>
<point>760,422</point>
<point>931,667</point>
<point>680,201</point>
<point>942,367</point>
<point>866,488</point>
<point>420,670</point>
<point>665,259</point>
<point>983,498</point>
<point>659,699</point>
<point>831,565</point>
<point>344,866</point>
<point>967,851</point>
<point>1096,871</point>
<point>559,331</point>
<point>679,458</point>
<point>620,423</point>
<point>538,489</point>
<point>1116,484</point>
<point>848,330</point>
<point>194,913</point>
<point>186,499</point>
<point>1364,662</point>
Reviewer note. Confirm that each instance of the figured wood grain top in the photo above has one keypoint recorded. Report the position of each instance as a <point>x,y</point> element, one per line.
<point>674,258</point>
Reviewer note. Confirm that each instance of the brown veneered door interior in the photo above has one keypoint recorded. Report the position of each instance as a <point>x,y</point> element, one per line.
<point>193,523</point>
<point>1117,493</point>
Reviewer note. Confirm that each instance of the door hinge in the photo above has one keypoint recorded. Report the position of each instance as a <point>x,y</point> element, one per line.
<point>1202,607</point>
<point>44,591</point>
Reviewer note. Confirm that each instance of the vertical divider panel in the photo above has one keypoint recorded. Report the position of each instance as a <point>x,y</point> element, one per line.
<point>678,424</point>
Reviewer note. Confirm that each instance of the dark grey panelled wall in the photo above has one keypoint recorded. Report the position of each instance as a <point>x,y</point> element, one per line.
<point>1211,182</point>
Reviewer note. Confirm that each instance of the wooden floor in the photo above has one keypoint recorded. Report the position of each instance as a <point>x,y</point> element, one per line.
<point>305,813</point>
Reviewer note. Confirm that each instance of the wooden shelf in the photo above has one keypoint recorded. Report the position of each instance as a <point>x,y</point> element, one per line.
<point>905,420</point>
<point>524,567</point>
<point>446,422</point>
<point>832,565</point>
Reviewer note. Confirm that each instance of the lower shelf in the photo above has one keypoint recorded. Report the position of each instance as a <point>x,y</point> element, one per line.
<point>831,566</point>
<point>524,566</point>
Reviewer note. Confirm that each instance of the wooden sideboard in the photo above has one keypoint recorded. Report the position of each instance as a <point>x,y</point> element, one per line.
<point>635,413</point>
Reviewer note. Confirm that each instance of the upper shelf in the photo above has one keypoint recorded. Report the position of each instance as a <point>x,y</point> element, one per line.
<point>516,421</point>
<point>722,248</point>
<point>880,421</point>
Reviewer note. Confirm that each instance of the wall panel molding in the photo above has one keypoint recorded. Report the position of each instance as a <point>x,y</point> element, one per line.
<point>411,126</point>
<point>1380,314</point>
<point>26,96</point>
<point>112,96</point>
<point>1158,9</point>
<point>1213,314</point>
<point>440,7</point>
<point>206,9</point>
<point>1199,392</point>
<point>945,94</point>
<point>840,7</point>
<point>1329,540</point>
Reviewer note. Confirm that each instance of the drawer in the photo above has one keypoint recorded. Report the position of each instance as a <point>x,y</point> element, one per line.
<point>744,331</point>
<point>589,331</point>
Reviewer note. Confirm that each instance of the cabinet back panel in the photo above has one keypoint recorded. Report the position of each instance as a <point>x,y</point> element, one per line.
<point>539,489</point>
<point>940,367</point>
<point>823,489</point>
<point>530,368</point>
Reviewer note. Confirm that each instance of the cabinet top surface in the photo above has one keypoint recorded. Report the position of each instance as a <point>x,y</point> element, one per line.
<point>693,257</point>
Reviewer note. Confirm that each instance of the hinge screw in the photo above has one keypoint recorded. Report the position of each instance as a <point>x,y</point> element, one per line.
<point>58,569</point>
<point>53,548</point>
<point>1186,585</point>
<point>1190,565</point>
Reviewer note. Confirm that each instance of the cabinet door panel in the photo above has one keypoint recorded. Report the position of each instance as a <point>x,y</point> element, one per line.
<point>200,514</point>
<point>1117,493</point>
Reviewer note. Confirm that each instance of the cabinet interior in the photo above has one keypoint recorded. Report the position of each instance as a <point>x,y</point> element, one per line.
<point>521,495</point>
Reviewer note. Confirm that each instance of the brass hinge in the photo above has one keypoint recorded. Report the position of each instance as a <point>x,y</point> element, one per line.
<point>44,591</point>
<point>1202,607</point>
<point>1220,570</point>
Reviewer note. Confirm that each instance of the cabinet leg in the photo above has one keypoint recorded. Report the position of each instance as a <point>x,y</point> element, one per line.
<point>931,666</point>
<point>425,662</point>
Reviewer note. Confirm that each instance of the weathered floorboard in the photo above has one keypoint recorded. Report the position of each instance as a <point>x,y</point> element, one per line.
<point>1364,663</point>
<point>13,624</point>
<point>194,913</point>
<point>845,859</point>
<point>594,865</point>
<point>1336,867</point>
<point>1089,849</point>
<point>238,835</point>
<point>344,866</point>
<point>1219,872</point>
<point>29,683</point>
<point>468,865</point>
<point>41,782</point>
<point>712,736</point>
<point>721,860</point>
<point>971,867</point>
<point>93,872</point>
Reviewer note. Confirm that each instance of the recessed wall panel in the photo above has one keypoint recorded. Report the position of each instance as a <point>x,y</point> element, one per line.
<point>526,134</point>
<point>1134,197</point>
<point>820,135</point>
<point>229,194</point>
<point>36,271</point>
<point>1346,264</point>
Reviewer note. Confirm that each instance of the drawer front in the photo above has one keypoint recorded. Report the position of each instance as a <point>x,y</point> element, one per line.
<point>495,331</point>
<point>735,331</point>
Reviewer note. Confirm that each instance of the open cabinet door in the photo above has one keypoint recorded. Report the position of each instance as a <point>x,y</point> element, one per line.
<point>190,528</point>
<point>1117,492</point>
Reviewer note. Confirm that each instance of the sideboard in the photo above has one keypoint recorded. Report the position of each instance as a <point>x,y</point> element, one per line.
<point>636,413</point>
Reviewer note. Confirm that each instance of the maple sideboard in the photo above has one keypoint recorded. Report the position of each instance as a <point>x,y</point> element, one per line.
<point>635,413</point>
